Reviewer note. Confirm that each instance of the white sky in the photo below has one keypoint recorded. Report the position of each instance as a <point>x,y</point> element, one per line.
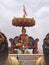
<point>39,9</point>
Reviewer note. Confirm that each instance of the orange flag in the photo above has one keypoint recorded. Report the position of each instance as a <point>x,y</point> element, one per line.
<point>24,10</point>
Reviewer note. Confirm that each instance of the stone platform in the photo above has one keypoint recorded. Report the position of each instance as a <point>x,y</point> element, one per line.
<point>27,59</point>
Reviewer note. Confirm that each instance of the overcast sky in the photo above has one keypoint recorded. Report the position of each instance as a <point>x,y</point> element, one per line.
<point>39,9</point>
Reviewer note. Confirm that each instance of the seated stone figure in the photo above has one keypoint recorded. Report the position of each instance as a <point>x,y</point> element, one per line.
<point>24,41</point>
<point>5,59</point>
<point>24,38</point>
<point>44,60</point>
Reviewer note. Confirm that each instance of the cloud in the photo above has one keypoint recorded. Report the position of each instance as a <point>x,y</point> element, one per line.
<point>42,11</point>
<point>42,17</point>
